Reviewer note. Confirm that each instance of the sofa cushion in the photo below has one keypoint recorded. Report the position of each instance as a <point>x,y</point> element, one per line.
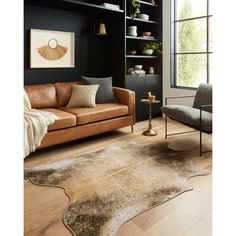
<point>42,95</point>
<point>100,112</point>
<point>64,120</point>
<point>105,92</point>
<point>189,116</point>
<point>64,91</point>
<point>83,96</point>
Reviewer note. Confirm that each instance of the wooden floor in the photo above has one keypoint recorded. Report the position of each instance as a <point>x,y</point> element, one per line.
<point>188,214</point>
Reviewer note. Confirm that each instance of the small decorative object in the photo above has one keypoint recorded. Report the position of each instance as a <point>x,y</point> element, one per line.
<point>133,71</point>
<point>132,52</point>
<point>151,70</point>
<point>149,94</point>
<point>150,48</point>
<point>146,33</point>
<point>138,67</point>
<point>101,29</point>
<point>51,49</point>
<point>143,16</point>
<point>152,98</point>
<point>132,31</point>
<point>134,8</point>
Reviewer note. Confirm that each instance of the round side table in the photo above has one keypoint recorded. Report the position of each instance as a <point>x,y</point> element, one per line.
<point>150,131</point>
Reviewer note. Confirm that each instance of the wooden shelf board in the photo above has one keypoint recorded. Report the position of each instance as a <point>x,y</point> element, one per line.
<point>140,38</point>
<point>92,5</point>
<point>145,21</point>
<point>140,56</point>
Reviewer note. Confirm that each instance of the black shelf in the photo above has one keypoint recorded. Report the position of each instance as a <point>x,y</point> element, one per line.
<point>140,38</point>
<point>140,56</point>
<point>140,20</point>
<point>145,76</point>
<point>148,3</point>
<point>92,5</point>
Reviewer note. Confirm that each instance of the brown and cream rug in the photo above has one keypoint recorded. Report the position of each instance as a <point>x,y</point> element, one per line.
<point>111,186</point>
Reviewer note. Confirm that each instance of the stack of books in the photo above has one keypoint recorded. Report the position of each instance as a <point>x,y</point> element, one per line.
<point>112,6</point>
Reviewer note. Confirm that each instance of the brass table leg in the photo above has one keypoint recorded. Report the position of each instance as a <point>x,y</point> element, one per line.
<point>150,131</point>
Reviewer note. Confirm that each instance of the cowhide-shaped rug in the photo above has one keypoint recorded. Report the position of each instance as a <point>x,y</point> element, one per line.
<point>110,186</point>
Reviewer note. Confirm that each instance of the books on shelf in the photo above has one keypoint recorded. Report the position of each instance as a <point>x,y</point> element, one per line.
<point>112,6</point>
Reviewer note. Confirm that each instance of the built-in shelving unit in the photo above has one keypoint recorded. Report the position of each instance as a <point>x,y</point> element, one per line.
<point>141,84</point>
<point>101,56</point>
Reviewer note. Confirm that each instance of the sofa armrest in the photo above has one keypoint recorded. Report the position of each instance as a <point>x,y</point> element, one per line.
<point>126,97</point>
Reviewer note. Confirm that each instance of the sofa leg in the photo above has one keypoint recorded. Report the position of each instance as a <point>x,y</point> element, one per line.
<point>132,128</point>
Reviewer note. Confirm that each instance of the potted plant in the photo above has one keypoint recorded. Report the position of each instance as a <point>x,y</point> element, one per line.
<point>134,8</point>
<point>150,48</point>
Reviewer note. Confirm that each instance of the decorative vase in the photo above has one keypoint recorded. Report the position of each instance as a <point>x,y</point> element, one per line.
<point>132,31</point>
<point>148,51</point>
<point>151,70</point>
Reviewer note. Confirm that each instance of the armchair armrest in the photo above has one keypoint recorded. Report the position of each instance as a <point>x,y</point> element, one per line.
<point>166,98</point>
<point>126,97</point>
<point>202,108</point>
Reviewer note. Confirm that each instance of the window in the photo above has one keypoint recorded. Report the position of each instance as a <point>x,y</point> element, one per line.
<point>191,44</point>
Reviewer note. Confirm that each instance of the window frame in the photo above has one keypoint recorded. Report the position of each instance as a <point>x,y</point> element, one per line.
<point>173,45</point>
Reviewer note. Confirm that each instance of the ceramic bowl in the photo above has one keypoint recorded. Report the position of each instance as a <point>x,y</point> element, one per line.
<point>132,52</point>
<point>138,67</point>
<point>146,33</point>
<point>143,16</point>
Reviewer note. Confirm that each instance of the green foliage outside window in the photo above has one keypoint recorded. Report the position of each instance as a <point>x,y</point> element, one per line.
<point>190,39</point>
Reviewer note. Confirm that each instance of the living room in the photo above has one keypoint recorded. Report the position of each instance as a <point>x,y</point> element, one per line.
<point>118,112</point>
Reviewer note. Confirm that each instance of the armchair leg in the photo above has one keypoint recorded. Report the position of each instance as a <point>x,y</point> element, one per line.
<point>165,127</point>
<point>200,142</point>
<point>132,128</point>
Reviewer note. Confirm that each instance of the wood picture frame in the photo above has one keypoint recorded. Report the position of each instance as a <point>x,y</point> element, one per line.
<point>52,49</point>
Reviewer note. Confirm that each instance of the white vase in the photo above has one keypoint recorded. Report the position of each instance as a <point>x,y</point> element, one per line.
<point>132,31</point>
<point>148,51</point>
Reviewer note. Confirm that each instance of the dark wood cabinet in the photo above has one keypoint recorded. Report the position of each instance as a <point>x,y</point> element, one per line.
<point>96,55</point>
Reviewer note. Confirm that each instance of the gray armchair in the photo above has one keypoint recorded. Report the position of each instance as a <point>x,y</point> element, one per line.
<point>198,117</point>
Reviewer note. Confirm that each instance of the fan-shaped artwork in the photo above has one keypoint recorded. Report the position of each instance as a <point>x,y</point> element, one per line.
<point>52,51</point>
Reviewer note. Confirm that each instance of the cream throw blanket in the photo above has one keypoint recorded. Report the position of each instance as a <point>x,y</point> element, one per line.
<point>35,125</point>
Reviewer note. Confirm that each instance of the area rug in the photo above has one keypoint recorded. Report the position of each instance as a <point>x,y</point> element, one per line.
<point>110,186</point>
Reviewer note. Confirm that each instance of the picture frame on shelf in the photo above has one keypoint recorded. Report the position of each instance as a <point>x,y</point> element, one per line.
<point>52,49</point>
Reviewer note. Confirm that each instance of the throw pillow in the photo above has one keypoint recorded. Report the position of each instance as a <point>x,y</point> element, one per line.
<point>105,92</point>
<point>83,96</point>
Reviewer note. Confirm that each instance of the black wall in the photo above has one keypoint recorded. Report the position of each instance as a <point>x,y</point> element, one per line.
<point>96,56</point>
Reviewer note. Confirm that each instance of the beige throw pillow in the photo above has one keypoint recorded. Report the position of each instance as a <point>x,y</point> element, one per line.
<point>83,96</point>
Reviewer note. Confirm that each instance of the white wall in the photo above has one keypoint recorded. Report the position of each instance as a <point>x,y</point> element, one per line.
<point>167,90</point>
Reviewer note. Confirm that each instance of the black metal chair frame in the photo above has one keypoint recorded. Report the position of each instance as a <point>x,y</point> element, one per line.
<point>200,130</point>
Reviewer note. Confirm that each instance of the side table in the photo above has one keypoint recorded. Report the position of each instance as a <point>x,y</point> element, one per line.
<point>150,131</point>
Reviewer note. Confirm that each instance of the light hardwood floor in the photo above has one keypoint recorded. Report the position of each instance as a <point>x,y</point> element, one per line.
<point>186,215</point>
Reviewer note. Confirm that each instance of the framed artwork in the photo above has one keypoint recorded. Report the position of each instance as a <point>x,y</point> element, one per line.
<point>51,49</point>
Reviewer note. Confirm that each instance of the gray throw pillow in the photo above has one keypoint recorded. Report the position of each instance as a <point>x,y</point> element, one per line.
<point>105,92</point>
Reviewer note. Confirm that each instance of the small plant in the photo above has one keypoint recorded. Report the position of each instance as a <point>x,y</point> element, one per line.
<point>134,8</point>
<point>156,47</point>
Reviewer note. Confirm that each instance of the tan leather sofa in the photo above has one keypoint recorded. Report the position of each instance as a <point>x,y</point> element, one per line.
<point>75,123</point>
